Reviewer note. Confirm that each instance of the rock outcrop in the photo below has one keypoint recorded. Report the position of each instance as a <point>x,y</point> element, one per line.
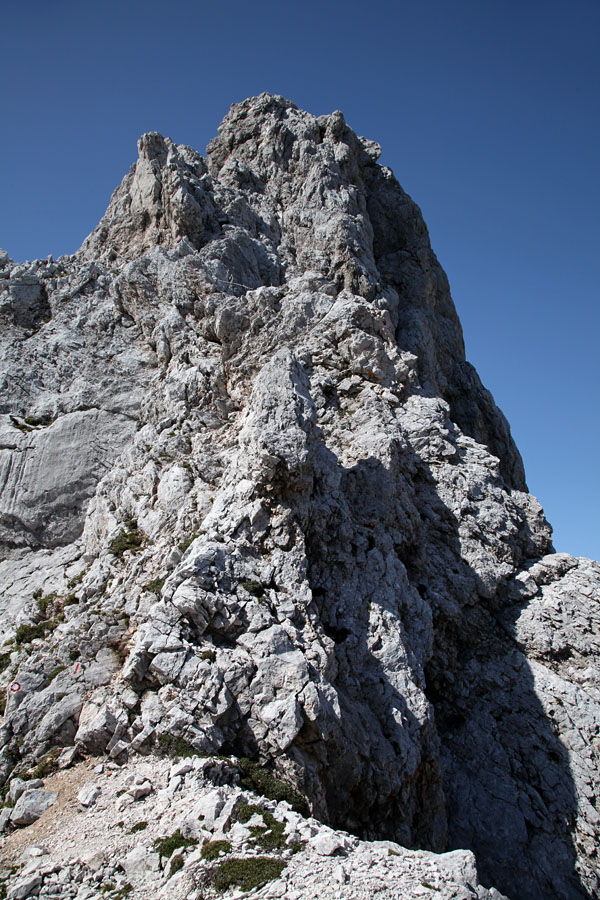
<point>256,501</point>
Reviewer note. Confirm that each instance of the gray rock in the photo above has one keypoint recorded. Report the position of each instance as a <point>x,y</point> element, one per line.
<point>327,842</point>
<point>5,815</point>
<point>88,794</point>
<point>96,727</point>
<point>24,887</point>
<point>17,786</point>
<point>139,863</point>
<point>31,804</point>
<point>139,791</point>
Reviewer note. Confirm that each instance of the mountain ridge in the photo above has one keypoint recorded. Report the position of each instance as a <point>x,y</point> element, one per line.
<point>248,389</point>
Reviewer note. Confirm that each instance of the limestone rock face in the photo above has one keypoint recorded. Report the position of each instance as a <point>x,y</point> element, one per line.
<point>255,500</point>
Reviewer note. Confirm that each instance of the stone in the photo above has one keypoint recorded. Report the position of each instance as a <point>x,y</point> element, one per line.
<point>139,863</point>
<point>88,794</point>
<point>67,757</point>
<point>139,791</point>
<point>327,843</point>
<point>5,815</point>
<point>17,786</point>
<point>31,805</point>
<point>24,887</point>
<point>96,726</point>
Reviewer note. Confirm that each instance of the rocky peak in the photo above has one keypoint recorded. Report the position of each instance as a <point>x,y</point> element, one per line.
<point>256,502</point>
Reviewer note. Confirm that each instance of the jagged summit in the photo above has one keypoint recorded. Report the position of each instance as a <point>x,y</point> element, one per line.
<point>256,500</point>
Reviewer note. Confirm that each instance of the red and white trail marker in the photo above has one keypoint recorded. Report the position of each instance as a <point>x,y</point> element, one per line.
<point>13,688</point>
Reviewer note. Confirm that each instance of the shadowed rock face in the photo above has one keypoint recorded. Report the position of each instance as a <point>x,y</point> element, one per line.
<point>297,525</point>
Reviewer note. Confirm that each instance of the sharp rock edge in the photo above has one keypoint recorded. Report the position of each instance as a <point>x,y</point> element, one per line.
<point>255,503</point>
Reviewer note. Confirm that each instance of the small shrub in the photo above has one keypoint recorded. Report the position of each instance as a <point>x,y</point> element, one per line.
<point>269,836</point>
<point>155,586</point>
<point>167,846</point>
<point>38,421</point>
<point>4,661</point>
<point>258,779</point>
<point>176,864</point>
<point>27,633</point>
<point>254,587</point>
<point>139,826</point>
<point>21,426</point>
<point>209,655</point>
<point>46,766</point>
<point>130,538</point>
<point>214,849</point>
<point>44,602</point>
<point>77,579</point>
<point>249,873</point>
<point>175,746</point>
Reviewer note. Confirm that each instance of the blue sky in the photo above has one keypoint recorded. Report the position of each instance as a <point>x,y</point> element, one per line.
<point>486,111</point>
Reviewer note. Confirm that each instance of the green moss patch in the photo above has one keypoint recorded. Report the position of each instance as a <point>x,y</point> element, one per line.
<point>56,671</point>
<point>188,541</point>
<point>43,603</point>
<point>176,864</point>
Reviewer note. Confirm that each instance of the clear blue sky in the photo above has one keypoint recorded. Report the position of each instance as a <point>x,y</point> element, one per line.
<point>487,111</point>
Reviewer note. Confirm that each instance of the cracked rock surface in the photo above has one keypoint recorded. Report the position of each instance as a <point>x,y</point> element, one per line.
<point>255,500</point>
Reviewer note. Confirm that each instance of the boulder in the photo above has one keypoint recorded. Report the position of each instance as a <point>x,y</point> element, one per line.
<point>31,805</point>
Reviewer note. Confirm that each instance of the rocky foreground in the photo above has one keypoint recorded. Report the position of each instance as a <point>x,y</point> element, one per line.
<point>254,499</point>
<point>176,830</point>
